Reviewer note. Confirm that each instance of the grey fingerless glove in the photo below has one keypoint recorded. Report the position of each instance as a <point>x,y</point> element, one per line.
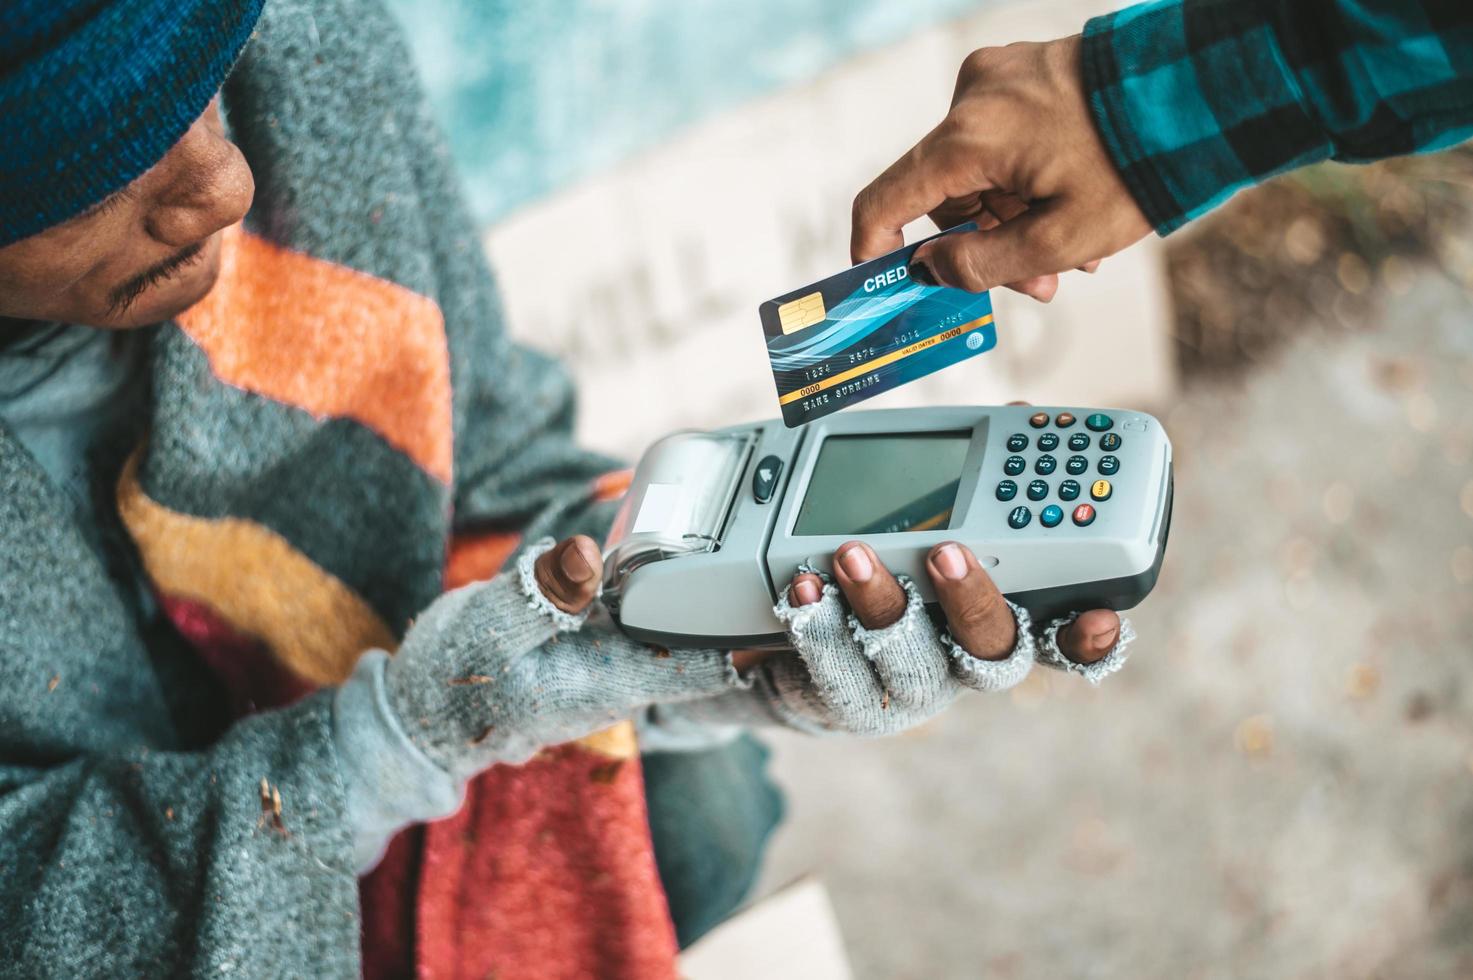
<point>493,672</point>
<point>848,679</point>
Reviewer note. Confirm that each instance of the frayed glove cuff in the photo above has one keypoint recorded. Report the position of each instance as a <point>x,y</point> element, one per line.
<point>1050,655</point>
<point>563,622</point>
<point>995,675</point>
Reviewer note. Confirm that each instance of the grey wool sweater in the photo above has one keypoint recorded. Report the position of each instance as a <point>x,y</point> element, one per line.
<point>265,507</point>
<point>142,833</point>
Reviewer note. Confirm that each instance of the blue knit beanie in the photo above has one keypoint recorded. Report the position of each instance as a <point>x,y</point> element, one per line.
<point>94,92</point>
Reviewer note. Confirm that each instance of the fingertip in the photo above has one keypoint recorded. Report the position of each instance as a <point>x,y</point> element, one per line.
<point>866,241</point>
<point>919,268</point>
<point>855,562</point>
<point>869,249</point>
<point>1091,636</point>
<point>949,561</point>
<point>569,573</point>
<point>579,560</point>
<point>806,589</point>
<point>920,271</point>
<point>1040,288</point>
<point>1097,620</point>
<point>593,555</point>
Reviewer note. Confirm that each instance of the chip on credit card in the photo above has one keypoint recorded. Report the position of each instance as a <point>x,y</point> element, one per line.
<point>867,330</point>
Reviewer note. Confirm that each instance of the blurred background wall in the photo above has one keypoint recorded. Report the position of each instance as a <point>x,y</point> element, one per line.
<point>1281,783</point>
<point>653,171</point>
<point>539,95</point>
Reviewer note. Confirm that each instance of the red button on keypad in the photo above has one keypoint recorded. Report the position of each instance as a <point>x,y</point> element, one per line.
<point>1084,515</point>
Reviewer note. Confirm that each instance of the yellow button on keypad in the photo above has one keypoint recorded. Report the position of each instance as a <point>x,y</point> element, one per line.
<point>1100,490</point>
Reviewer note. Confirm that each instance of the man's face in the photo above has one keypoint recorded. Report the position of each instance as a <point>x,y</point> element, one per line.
<point>143,255</point>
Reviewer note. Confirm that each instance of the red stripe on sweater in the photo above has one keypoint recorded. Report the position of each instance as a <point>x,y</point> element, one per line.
<point>254,679</point>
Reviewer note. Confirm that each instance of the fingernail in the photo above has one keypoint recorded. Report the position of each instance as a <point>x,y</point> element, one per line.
<point>1105,640</point>
<point>921,272</point>
<point>807,591</point>
<point>575,566</point>
<point>950,562</point>
<point>857,564</point>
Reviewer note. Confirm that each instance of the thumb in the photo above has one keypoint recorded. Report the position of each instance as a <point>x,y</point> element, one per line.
<point>1029,246</point>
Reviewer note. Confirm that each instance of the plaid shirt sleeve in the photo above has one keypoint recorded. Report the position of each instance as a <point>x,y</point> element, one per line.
<point>1196,99</point>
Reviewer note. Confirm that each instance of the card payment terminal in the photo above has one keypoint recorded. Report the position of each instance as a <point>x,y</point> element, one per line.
<point>1067,508</point>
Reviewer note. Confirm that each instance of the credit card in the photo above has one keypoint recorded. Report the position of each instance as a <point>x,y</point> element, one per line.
<point>867,330</point>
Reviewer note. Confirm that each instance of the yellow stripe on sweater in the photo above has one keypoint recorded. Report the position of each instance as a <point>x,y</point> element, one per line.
<point>256,581</point>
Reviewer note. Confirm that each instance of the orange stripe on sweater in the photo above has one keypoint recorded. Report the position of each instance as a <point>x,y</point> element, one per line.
<point>474,557</point>
<point>255,581</point>
<point>332,341</point>
<point>612,486</point>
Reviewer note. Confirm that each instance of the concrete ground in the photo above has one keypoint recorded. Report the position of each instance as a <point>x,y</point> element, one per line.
<point>1280,784</point>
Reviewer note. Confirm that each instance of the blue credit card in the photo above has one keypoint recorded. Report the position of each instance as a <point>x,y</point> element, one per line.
<point>866,330</point>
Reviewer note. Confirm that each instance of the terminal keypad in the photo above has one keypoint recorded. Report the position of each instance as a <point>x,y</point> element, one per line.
<point>1035,453</point>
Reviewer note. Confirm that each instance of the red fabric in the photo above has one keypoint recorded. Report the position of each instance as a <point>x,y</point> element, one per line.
<point>387,899</point>
<point>254,679</point>
<point>547,871</point>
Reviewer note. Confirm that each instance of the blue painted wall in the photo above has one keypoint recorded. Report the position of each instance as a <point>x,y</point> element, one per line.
<point>538,93</point>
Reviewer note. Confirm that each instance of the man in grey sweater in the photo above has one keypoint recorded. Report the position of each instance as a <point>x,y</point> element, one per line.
<point>249,481</point>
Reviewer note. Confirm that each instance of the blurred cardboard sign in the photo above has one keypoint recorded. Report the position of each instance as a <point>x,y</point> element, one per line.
<point>789,935</point>
<point>646,279</point>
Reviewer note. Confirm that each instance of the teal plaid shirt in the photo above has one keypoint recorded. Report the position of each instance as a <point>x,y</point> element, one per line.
<point>1196,99</point>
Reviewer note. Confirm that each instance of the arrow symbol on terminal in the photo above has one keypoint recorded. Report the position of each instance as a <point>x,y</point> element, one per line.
<point>765,475</point>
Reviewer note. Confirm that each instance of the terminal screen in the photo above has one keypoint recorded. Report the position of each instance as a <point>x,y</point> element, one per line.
<point>879,484</point>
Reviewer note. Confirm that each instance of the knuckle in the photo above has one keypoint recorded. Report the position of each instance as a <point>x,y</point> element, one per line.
<point>1047,240</point>
<point>970,116</point>
<point>951,127</point>
<point>882,608</point>
<point>977,64</point>
<point>979,616</point>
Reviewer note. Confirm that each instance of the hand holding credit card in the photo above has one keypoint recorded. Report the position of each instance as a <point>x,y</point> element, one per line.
<point>867,330</point>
